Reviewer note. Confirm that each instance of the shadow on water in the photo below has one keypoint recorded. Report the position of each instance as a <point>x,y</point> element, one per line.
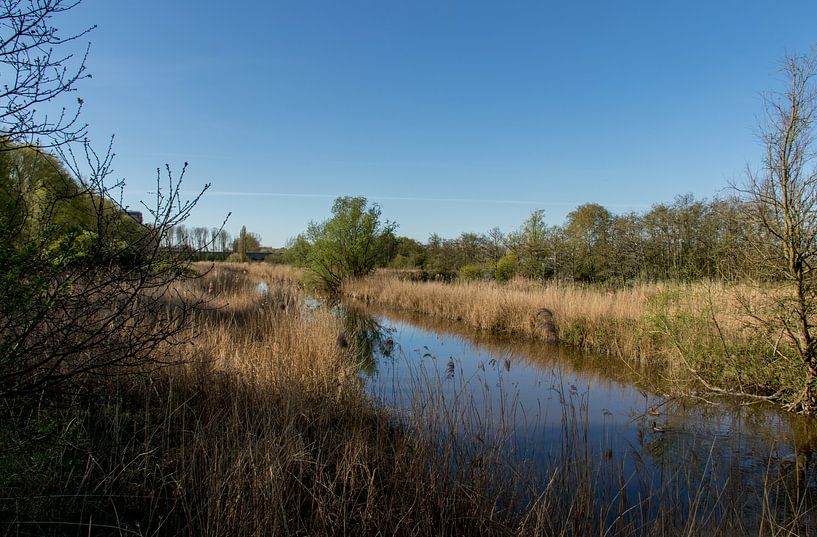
<point>547,408</point>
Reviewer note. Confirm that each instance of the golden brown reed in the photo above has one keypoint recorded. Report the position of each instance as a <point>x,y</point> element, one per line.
<point>269,430</point>
<point>583,316</point>
<point>699,333</point>
<point>264,429</point>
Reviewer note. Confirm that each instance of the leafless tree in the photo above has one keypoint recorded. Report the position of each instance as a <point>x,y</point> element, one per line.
<point>200,238</point>
<point>782,206</point>
<point>39,67</point>
<point>182,236</point>
<point>224,240</point>
<point>214,234</point>
<point>495,245</point>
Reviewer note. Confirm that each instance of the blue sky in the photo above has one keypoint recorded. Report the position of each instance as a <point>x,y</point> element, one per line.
<point>453,116</point>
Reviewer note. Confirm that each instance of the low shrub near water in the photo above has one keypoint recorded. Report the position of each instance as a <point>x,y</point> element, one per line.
<point>474,272</point>
<point>506,267</point>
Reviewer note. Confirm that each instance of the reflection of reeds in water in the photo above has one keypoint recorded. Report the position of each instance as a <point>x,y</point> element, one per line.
<point>573,313</point>
<point>597,368</point>
<point>701,334</point>
<point>265,429</point>
<point>662,486</point>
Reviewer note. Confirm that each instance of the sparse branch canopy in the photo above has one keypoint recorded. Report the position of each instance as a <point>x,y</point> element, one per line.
<point>38,67</point>
<point>84,288</point>
<point>782,206</point>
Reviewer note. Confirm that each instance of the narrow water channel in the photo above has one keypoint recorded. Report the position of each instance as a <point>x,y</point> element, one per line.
<point>543,403</point>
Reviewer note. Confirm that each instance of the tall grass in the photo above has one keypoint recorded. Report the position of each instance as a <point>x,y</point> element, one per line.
<point>606,321</point>
<point>700,334</point>
<point>264,428</point>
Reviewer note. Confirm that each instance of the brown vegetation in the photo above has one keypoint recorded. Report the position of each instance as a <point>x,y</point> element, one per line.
<point>698,332</point>
<point>263,428</point>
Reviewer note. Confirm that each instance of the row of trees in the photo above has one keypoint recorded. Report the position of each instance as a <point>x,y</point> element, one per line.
<point>687,239</point>
<point>199,238</point>
<point>213,243</point>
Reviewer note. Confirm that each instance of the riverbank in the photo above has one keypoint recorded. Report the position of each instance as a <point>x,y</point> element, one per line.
<point>700,333</point>
<point>263,427</point>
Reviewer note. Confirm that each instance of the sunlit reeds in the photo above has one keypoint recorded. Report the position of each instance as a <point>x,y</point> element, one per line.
<point>702,333</point>
<point>264,428</point>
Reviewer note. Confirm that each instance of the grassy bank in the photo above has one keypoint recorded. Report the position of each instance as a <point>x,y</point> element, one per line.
<point>698,334</point>
<point>263,428</point>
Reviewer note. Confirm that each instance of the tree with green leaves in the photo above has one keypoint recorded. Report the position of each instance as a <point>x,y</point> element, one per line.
<point>588,233</point>
<point>350,244</point>
<point>246,242</point>
<point>534,247</point>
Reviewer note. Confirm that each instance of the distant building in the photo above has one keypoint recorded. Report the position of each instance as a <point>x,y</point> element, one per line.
<point>136,215</point>
<point>258,256</point>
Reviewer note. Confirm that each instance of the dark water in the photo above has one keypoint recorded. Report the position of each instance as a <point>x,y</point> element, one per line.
<point>543,404</point>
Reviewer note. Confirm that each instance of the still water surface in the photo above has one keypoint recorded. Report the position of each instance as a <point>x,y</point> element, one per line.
<point>538,400</point>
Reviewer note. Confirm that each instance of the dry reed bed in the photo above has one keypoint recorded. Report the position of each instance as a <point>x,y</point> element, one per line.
<point>601,321</point>
<point>263,428</point>
<point>285,441</point>
<point>269,432</point>
<point>699,333</point>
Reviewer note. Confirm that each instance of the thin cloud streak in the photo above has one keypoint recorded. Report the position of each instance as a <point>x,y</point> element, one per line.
<point>227,193</point>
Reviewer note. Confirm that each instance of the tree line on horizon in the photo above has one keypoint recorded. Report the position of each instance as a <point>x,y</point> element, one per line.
<point>687,239</point>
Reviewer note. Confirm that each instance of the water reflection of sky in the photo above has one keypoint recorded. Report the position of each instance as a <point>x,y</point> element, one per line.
<point>540,396</point>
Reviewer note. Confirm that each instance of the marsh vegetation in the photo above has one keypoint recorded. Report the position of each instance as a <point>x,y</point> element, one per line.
<point>265,425</point>
<point>143,394</point>
<point>698,334</point>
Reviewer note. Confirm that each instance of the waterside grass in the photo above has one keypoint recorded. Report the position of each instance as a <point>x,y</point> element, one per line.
<point>698,334</point>
<point>264,428</point>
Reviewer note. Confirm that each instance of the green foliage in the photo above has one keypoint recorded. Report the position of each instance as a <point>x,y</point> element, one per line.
<point>33,448</point>
<point>246,242</point>
<point>588,235</point>
<point>82,284</point>
<point>534,247</point>
<point>473,272</point>
<point>681,320</point>
<point>350,244</point>
<point>506,267</point>
<point>409,254</point>
<point>278,256</point>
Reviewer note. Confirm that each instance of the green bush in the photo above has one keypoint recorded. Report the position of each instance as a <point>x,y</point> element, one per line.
<point>350,244</point>
<point>473,271</point>
<point>505,267</point>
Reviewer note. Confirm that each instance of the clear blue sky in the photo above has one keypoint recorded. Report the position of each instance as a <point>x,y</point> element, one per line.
<point>453,116</point>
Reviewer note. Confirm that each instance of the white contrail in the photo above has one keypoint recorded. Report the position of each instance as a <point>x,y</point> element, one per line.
<point>411,198</point>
